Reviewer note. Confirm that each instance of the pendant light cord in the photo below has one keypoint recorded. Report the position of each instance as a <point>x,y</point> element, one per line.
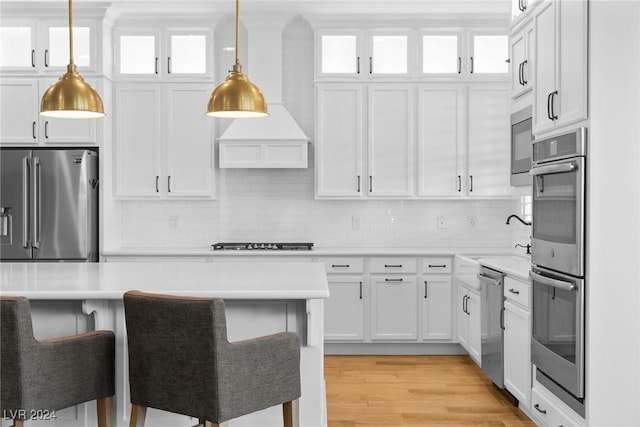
<point>237,31</point>
<point>70,33</point>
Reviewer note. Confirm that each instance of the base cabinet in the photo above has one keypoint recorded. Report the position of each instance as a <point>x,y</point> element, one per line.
<point>436,308</point>
<point>517,352</point>
<point>394,308</point>
<point>344,310</point>
<point>468,312</point>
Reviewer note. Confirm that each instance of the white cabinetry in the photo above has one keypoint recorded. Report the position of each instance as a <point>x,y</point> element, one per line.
<point>363,54</point>
<point>468,312</point>
<point>341,158</point>
<point>521,54</point>
<point>517,340</point>
<point>488,166</point>
<point>150,53</point>
<point>488,54</point>
<point>394,307</point>
<point>163,152</point>
<point>42,47</point>
<point>548,410</point>
<point>455,163</point>
<point>344,318</point>
<point>20,122</point>
<point>436,312</point>
<point>560,87</point>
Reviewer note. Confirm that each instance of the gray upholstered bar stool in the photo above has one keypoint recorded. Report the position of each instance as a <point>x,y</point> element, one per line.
<point>41,377</point>
<point>180,361</point>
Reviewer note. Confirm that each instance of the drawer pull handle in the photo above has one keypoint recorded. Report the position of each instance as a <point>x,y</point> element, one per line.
<point>360,290</point>
<point>513,291</point>
<point>393,280</point>
<point>542,411</point>
<point>340,265</point>
<point>393,265</point>
<point>437,266</point>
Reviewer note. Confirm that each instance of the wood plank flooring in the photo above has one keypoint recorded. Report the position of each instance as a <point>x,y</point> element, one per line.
<point>415,391</point>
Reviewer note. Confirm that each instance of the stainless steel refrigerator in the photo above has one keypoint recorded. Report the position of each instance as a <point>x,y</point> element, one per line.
<point>48,205</point>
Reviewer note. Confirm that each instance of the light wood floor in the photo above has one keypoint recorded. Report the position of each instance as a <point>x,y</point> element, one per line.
<point>414,391</point>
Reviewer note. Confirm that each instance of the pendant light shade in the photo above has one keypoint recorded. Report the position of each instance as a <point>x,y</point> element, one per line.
<point>71,97</point>
<point>237,97</point>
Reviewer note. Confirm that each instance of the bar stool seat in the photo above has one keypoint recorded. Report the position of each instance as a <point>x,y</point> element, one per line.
<point>180,361</point>
<point>42,377</point>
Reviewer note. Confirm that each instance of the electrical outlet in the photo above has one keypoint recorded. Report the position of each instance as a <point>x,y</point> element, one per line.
<point>473,221</point>
<point>173,222</point>
<point>355,223</point>
<point>441,223</point>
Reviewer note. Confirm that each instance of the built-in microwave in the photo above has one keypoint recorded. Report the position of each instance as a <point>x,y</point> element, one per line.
<point>521,146</point>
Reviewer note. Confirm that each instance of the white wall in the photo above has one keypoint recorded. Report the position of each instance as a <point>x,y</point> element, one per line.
<point>613,257</point>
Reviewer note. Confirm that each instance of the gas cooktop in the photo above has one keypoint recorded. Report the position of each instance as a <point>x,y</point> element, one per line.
<point>262,246</point>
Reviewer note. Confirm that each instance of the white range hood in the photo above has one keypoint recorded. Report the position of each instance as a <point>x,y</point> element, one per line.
<point>275,141</point>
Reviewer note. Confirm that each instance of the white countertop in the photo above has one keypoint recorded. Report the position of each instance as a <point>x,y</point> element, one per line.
<point>231,280</point>
<point>511,265</point>
<point>316,251</point>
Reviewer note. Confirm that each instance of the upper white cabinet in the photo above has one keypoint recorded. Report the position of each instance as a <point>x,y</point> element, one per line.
<point>463,140</point>
<point>521,8</point>
<point>148,53</point>
<point>20,122</point>
<point>43,47</point>
<point>488,167</point>
<point>560,62</point>
<point>441,53</point>
<point>521,55</point>
<point>411,54</point>
<point>163,152</point>
<point>363,54</point>
<point>346,167</point>
<point>488,54</point>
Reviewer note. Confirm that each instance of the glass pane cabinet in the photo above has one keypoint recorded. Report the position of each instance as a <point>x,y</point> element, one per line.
<point>58,50</point>
<point>17,47</point>
<point>339,54</point>
<point>489,54</point>
<point>441,54</point>
<point>164,54</point>
<point>389,54</point>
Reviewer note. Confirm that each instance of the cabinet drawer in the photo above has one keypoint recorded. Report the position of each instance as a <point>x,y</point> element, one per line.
<point>516,291</point>
<point>436,265</point>
<point>543,409</point>
<point>343,265</point>
<point>393,265</point>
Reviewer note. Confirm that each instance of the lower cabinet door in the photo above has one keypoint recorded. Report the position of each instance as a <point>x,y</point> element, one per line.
<point>436,308</point>
<point>394,308</point>
<point>517,352</point>
<point>463,318</point>
<point>344,310</point>
<point>473,310</point>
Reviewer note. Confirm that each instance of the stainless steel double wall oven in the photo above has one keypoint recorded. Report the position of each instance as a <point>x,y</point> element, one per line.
<point>558,271</point>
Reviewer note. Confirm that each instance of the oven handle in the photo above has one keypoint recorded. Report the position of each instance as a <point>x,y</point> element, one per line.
<point>561,284</point>
<point>551,169</point>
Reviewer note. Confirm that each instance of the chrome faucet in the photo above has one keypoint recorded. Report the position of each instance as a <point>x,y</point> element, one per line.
<point>518,218</point>
<point>527,247</point>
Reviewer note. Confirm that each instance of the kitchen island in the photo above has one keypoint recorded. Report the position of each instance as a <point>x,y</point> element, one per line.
<point>261,298</point>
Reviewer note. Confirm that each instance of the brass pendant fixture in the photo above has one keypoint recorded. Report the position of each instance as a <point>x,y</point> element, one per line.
<point>71,97</point>
<point>237,97</point>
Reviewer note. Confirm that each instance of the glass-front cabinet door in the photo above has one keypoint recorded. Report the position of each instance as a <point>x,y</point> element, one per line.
<point>488,55</point>
<point>188,53</point>
<point>138,54</point>
<point>339,54</point>
<point>388,54</point>
<point>441,54</point>
<point>56,54</point>
<point>17,48</point>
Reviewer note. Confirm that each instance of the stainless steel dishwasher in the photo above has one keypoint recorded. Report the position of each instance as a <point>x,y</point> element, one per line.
<point>492,323</point>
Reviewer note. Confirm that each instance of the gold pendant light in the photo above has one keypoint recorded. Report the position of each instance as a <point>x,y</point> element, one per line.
<point>237,97</point>
<point>71,97</point>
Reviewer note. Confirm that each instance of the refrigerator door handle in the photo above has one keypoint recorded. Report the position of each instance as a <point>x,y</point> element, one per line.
<point>25,201</point>
<point>36,204</point>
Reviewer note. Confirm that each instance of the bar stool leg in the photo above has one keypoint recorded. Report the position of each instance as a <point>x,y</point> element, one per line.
<point>105,412</point>
<point>287,412</point>
<point>138,415</point>
<point>18,423</point>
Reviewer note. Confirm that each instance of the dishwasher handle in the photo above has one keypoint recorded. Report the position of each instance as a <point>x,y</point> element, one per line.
<point>488,279</point>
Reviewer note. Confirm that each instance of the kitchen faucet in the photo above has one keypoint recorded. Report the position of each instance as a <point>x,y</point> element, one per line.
<point>518,218</point>
<point>527,247</point>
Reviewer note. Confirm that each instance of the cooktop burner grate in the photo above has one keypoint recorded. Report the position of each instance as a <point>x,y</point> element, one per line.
<point>262,246</point>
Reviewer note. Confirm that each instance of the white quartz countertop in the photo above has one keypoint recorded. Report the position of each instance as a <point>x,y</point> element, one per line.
<point>315,252</point>
<point>511,265</point>
<point>231,280</point>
